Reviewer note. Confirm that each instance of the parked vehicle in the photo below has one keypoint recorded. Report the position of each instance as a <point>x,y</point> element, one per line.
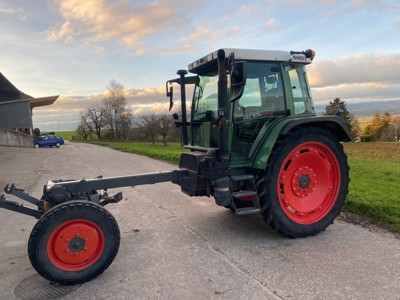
<point>257,146</point>
<point>49,141</point>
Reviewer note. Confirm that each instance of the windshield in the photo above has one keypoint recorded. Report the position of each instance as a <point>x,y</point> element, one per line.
<point>300,91</point>
<point>205,98</point>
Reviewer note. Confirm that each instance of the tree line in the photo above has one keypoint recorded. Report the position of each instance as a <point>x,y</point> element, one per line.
<point>381,128</point>
<point>112,119</point>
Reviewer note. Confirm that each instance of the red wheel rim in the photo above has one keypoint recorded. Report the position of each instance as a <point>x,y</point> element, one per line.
<point>309,183</point>
<point>75,245</point>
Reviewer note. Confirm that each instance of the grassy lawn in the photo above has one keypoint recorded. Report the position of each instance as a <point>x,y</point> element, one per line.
<point>170,153</point>
<point>66,135</point>
<point>374,172</point>
<point>374,186</point>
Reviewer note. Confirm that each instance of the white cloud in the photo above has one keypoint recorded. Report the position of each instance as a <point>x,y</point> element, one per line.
<point>362,76</point>
<point>19,12</point>
<point>361,68</point>
<point>126,23</point>
<point>271,24</point>
<point>247,10</point>
<point>357,92</point>
<point>202,32</point>
<point>6,9</point>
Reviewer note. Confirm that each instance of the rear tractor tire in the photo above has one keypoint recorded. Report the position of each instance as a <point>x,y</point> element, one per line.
<point>305,183</point>
<point>74,242</point>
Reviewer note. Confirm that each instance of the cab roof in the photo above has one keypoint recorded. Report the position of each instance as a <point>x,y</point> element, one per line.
<point>208,62</point>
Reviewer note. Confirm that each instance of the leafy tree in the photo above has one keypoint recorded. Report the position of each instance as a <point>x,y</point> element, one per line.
<point>339,107</point>
<point>379,124</point>
<point>396,125</point>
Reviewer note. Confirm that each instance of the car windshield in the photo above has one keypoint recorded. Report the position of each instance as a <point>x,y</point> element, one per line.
<point>205,98</point>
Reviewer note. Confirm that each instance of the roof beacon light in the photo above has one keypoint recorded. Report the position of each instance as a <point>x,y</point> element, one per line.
<point>307,53</point>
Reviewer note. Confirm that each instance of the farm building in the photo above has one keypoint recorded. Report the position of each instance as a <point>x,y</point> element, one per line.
<point>16,114</point>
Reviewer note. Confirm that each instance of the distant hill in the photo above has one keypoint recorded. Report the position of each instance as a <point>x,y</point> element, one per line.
<point>366,109</point>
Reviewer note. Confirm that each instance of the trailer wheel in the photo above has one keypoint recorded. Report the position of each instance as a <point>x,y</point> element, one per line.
<point>305,184</point>
<point>74,242</point>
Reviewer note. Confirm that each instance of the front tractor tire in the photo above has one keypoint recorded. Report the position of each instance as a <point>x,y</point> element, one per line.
<point>305,183</point>
<point>74,242</point>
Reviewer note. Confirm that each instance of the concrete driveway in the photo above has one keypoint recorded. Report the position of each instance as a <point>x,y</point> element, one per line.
<point>177,247</point>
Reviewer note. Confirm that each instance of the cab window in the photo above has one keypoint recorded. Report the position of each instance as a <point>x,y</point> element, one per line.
<point>263,93</point>
<point>300,91</point>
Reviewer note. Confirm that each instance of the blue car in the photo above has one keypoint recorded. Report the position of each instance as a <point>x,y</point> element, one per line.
<point>49,141</point>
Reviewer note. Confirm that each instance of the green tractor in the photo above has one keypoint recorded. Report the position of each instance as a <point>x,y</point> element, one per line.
<point>256,146</point>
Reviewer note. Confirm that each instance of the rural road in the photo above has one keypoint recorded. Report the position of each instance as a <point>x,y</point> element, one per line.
<point>176,247</point>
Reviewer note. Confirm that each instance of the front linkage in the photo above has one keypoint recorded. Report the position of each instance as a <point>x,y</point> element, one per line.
<point>75,238</point>
<point>95,190</point>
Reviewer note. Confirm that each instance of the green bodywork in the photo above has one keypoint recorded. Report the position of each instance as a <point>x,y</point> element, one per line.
<point>255,121</point>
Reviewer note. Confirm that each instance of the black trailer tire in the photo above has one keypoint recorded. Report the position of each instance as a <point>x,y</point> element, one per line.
<point>74,242</point>
<point>305,183</point>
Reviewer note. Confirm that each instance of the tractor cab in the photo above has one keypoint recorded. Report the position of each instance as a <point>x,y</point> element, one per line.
<point>245,92</point>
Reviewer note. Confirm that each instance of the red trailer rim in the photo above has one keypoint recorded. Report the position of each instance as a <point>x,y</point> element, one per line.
<point>75,245</point>
<point>309,183</point>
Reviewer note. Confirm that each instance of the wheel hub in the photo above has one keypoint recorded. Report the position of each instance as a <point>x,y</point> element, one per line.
<point>304,180</point>
<point>77,244</point>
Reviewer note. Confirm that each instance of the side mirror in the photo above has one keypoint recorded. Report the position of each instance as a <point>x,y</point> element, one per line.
<point>170,93</point>
<point>238,80</point>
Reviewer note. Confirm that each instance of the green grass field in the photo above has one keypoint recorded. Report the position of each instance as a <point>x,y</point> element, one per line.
<point>374,185</point>
<point>66,135</point>
<point>171,153</point>
<point>374,172</point>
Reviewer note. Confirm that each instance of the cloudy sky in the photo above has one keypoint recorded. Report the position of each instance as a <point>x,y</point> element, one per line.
<point>73,48</point>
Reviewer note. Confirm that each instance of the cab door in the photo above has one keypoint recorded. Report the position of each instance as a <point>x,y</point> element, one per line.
<point>262,101</point>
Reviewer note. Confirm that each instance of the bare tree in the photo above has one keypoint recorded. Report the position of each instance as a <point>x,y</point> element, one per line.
<point>124,124</point>
<point>83,129</point>
<point>150,124</point>
<point>117,112</point>
<point>94,119</point>
<point>165,125</point>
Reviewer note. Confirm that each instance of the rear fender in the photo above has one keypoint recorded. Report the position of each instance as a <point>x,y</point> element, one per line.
<point>264,148</point>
